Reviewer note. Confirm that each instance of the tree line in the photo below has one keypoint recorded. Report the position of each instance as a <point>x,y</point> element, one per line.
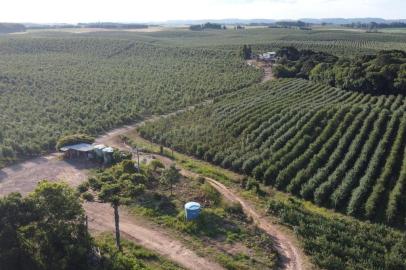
<point>6,28</point>
<point>208,25</point>
<point>380,73</point>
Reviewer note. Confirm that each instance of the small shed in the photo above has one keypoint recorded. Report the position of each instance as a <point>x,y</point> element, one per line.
<point>108,155</point>
<point>80,150</point>
<point>192,210</point>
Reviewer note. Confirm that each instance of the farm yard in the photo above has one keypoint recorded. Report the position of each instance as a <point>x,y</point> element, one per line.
<point>291,173</point>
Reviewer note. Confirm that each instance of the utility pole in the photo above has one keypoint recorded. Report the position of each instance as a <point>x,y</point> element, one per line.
<point>138,160</point>
<point>138,157</point>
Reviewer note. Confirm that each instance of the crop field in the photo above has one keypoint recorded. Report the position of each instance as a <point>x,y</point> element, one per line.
<point>300,173</point>
<point>298,136</point>
<point>51,86</point>
<point>339,42</point>
<point>339,149</point>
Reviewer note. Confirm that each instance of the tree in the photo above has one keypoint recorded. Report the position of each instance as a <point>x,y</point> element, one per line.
<point>246,52</point>
<point>170,176</point>
<point>156,164</point>
<point>45,230</point>
<point>282,71</point>
<point>117,186</point>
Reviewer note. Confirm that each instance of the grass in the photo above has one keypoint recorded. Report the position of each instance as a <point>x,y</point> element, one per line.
<point>228,177</point>
<point>134,254</point>
<point>221,232</point>
<point>185,161</point>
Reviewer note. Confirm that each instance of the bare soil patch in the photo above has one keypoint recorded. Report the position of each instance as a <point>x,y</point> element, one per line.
<point>146,234</point>
<point>266,68</point>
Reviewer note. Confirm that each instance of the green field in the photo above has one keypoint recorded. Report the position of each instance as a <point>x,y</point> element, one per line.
<point>53,83</point>
<point>340,149</point>
<point>331,240</point>
<point>50,86</point>
<point>291,134</point>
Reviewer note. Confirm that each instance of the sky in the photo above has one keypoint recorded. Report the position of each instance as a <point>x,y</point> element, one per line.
<point>73,11</point>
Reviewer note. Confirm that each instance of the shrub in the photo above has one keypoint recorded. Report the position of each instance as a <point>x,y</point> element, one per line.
<point>200,179</point>
<point>211,193</point>
<point>156,164</point>
<point>83,187</point>
<point>128,166</point>
<point>233,207</point>
<point>88,196</point>
<point>120,155</point>
<point>252,184</point>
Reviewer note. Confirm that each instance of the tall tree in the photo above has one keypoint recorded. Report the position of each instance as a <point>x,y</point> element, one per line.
<point>246,52</point>
<point>117,186</point>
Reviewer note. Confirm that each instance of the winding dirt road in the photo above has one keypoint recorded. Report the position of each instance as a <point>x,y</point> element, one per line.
<point>24,177</point>
<point>291,256</point>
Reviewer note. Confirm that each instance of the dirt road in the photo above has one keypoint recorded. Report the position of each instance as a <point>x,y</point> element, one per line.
<point>266,68</point>
<point>23,178</point>
<point>291,256</point>
<point>100,219</point>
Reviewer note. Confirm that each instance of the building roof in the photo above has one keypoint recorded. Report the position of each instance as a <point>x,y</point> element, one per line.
<point>99,146</point>
<point>81,147</point>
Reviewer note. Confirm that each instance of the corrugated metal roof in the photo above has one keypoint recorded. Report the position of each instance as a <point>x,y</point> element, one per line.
<point>81,147</point>
<point>99,146</point>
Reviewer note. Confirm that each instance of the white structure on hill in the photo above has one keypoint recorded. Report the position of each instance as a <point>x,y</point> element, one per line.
<point>268,57</point>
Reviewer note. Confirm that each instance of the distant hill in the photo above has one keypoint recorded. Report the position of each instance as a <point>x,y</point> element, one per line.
<point>5,27</point>
<point>221,21</point>
<point>335,21</point>
<point>113,25</point>
<point>11,27</point>
<point>339,21</point>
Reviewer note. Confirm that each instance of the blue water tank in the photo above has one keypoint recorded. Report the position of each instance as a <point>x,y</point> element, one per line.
<point>192,210</point>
